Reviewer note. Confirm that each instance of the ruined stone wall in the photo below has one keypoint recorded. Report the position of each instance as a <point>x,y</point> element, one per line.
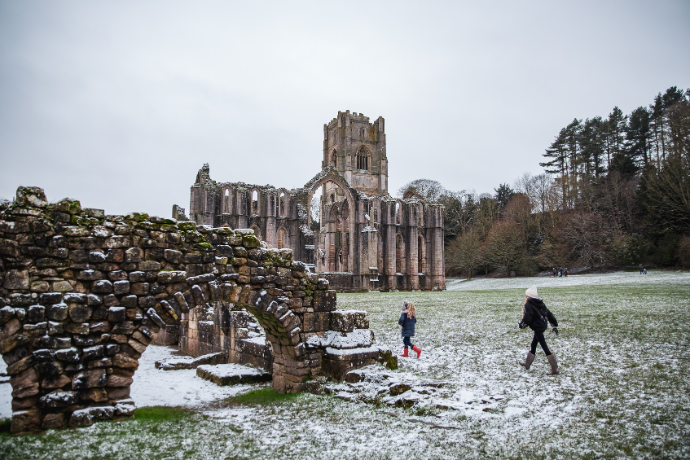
<point>83,294</point>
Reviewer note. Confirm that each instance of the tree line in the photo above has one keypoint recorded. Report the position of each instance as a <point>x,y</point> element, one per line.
<point>615,193</point>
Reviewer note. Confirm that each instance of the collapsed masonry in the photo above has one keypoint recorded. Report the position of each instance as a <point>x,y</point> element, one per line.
<point>83,294</point>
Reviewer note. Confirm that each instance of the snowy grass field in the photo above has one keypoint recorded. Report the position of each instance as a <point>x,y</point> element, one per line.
<point>623,391</point>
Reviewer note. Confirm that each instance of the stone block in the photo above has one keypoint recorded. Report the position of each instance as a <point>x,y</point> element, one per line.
<point>89,379</point>
<point>324,301</point>
<point>79,313</point>
<point>53,421</point>
<point>57,312</point>
<point>116,314</point>
<point>115,381</point>
<point>121,287</point>
<point>16,279</point>
<point>102,287</point>
<point>125,362</point>
<point>58,399</point>
<point>28,421</point>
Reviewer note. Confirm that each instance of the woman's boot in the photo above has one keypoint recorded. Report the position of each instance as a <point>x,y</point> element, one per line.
<point>418,350</point>
<point>528,361</point>
<point>405,355</point>
<point>554,365</point>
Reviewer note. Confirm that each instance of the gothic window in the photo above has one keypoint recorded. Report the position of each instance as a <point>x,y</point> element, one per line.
<point>227,201</point>
<point>255,202</point>
<point>334,159</point>
<point>281,204</point>
<point>362,159</point>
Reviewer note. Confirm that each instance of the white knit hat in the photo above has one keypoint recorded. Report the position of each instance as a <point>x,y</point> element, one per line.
<point>532,292</point>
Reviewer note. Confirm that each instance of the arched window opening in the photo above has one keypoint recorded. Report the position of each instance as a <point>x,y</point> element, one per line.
<point>398,218</point>
<point>334,159</point>
<point>362,159</point>
<point>332,198</point>
<point>255,202</point>
<point>227,201</point>
<point>282,238</point>
<point>281,204</point>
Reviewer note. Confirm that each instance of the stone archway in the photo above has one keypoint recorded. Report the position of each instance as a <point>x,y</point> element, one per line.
<point>330,174</point>
<point>83,295</point>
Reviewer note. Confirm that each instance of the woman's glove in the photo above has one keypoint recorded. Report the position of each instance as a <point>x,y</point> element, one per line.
<point>522,324</point>
<point>555,329</point>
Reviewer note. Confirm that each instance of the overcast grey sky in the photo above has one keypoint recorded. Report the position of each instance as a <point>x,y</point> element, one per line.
<point>119,103</point>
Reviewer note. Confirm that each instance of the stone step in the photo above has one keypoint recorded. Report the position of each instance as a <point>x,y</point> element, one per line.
<point>188,362</point>
<point>232,374</point>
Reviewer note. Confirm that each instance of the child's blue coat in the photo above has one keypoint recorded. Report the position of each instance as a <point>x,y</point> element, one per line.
<point>407,325</point>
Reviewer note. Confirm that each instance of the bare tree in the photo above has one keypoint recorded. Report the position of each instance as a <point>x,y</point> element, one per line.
<point>465,253</point>
<point>427,189</point>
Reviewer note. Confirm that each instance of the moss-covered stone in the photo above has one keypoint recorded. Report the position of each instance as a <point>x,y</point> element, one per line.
<point>68,206</point>
<point>187,226</point>
<point>138,216</point>
<point>250,241</point>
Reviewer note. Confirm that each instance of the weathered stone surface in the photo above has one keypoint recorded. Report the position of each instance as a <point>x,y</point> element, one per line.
<point>94,395</point>
<point>28,421</point>
<point>89,379</point>
<point>57,381</point>
<point>125,362</point>
<point>16,279</point>
<point>25,383</point>
<point>79,313</point>
<point>118,381</point>
<point>57,312</point>
<point>58,399</point>
<point>231,374</point>
<point>53,421</point>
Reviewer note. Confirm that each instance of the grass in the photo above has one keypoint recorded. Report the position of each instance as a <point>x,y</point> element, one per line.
<point>262,396</point>
<point>624,391</point>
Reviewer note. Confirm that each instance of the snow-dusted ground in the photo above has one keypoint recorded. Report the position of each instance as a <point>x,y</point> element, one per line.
<point>653,276</point>
<point>624,352</point>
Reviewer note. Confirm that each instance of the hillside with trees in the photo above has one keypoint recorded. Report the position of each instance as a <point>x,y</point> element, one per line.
<point>615,193</point>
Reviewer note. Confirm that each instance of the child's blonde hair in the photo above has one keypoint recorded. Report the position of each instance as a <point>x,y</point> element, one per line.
<point>411,311</point>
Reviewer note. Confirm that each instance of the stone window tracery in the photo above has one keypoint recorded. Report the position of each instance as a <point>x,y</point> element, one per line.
<point>362,159</point>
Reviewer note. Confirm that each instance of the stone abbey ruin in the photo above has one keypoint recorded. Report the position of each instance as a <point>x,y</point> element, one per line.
<point>82,293</point>
<point>365,239</point>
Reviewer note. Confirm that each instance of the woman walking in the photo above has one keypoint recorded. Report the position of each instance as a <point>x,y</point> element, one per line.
<point>537,317</point>
<point>407,320</point>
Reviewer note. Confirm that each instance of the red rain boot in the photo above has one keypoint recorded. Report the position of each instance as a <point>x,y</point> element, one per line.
<point>418,350</point>
<point>405,355</point>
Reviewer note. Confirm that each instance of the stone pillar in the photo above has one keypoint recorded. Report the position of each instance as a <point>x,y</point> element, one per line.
<point>388,215</point>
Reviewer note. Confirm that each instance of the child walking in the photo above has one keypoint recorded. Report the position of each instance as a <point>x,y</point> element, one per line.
<point>537,316</point>
<point>407,321</point>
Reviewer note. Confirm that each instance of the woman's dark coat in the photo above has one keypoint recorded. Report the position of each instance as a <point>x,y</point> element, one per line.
<point>407,325</point>
<point>534,311</point>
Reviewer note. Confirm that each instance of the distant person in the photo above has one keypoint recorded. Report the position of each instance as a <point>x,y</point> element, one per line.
<point>554,272</point>
<point>645,271</point>
<point>566,272</point>
<point>537,317</point>
<point>407,320</point>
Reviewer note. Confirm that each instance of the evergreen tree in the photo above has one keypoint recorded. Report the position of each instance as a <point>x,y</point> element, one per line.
<point>592,147</point>
<point>503,194</point>
<point>557,153</point>
<point>638,137</point>
<point>616,126</point>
